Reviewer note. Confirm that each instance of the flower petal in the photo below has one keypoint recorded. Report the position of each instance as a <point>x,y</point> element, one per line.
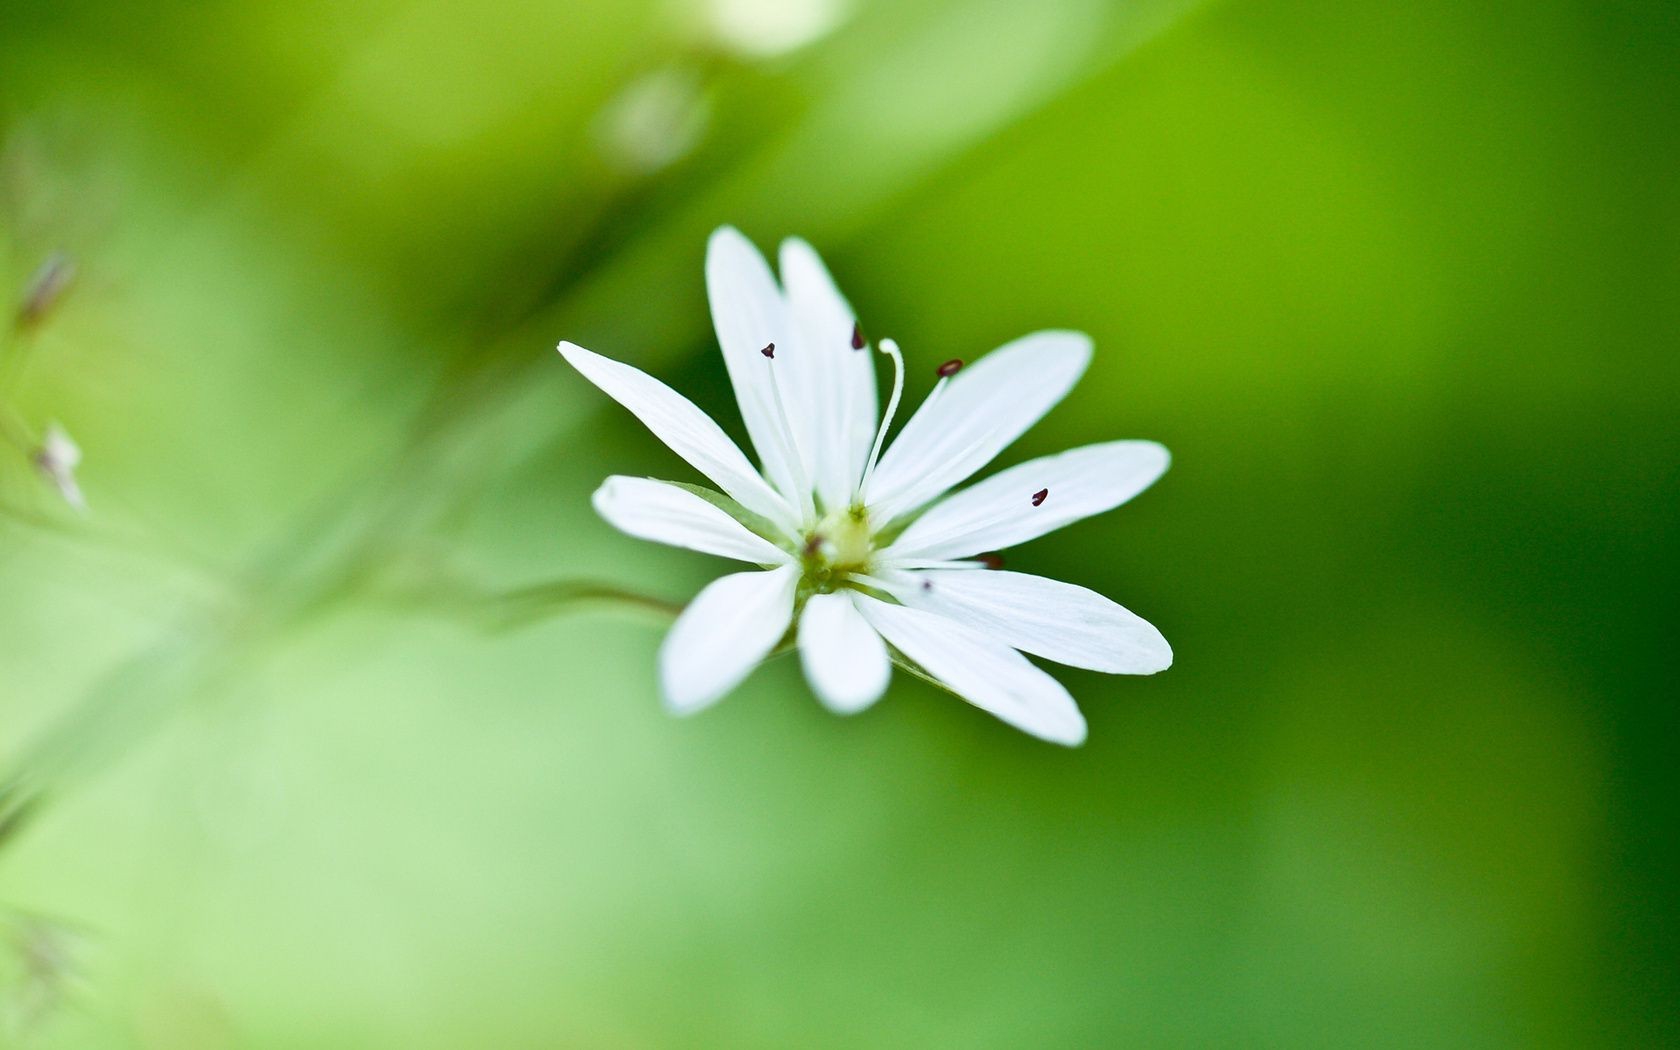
<point>1033,498</point>
<point>831,384</point>
<point>987,674</point>
<point>978,414</point>
<point>690,433</point>
<point>1059,621</point>
<point>730,626</point>
<point>749,314</point>
<point>667,513</point>
<point>845,660</point>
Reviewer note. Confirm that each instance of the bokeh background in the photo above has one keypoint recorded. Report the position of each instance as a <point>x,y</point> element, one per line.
<point>1399,285</point>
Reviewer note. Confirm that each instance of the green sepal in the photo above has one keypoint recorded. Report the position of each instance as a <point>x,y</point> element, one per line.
<point>757,524</point>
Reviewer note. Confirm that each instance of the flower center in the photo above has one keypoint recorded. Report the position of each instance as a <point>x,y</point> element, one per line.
<point>840,544</point>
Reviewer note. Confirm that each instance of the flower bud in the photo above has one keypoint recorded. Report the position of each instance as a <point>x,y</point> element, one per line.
<point>57,459</point>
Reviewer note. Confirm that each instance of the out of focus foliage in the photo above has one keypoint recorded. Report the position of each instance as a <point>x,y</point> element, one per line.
<point>1397,284</point>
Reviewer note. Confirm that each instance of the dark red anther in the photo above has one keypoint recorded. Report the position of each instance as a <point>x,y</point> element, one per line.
<point>857,336</point>
<point>1039,496</point>
<point>950,368</point>
<point>991,561</point>
<point>927,585</point>
<point>813,544</point>
<point>769,350</point>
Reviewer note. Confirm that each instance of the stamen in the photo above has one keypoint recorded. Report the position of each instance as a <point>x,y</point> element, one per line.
<point>991,561</point>
<point>857,336</point>
<point>983,561</point>
<point>1039,497</point>
<point>890,348</point>
<point>945,373</point>
<point>927,585</point>
<point>796,462</point>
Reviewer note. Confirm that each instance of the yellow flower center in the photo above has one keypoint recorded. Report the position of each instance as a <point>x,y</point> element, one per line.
<point>840,544</point>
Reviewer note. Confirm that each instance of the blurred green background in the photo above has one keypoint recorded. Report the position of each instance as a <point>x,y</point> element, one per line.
<point>1399,285</point>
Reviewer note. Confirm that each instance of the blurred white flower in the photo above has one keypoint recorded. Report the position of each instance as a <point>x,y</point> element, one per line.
<point>767,28</point>
<point>655,121</point>
<point>860,549</point>
<point>57,459</point>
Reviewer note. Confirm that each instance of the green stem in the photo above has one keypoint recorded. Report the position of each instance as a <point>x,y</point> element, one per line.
<point>511,610</point>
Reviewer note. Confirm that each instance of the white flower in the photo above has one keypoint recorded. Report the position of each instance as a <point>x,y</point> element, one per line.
<point>655,121</point>
<point>768,28</point>
<point>57,460</point>
<point>857,548</point>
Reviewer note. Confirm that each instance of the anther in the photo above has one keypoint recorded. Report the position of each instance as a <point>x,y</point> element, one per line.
<point>813,544</point>
<point>991,561</point>
<point>1039,496</point>
<point>769,350</point>
<point>857,336</point>
<point>950,368</point>
<point>927,585</point>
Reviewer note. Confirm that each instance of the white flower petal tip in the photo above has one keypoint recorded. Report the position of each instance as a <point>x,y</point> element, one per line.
<point>1075,735</point>
<point>750,317</point>
<point>728,238</point>
<point>830,379</point>
<point>844,659</point>
<point>974,414</point>
<point>1058,621</point>
<point>986,673</point>
<point>732,624</point>
<point>1163,661</point>
<point>1032,499</point>
<point>682,426</point>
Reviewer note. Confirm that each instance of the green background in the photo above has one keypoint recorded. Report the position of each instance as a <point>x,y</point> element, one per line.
<point>1398,284</point>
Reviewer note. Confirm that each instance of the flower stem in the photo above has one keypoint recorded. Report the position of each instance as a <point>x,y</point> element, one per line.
<point>511,610</point>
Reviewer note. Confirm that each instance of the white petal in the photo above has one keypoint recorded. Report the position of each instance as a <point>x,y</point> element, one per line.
<point>986,673</point>
<point>749,314</point>
<point>978,414</point>
<point>831,386</point>
<point>667,513</point>
<point>845,660</point>
<point>999,512</point>
<point>689,432</point>
<point>730,626</point>
<point>1059,621</point>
